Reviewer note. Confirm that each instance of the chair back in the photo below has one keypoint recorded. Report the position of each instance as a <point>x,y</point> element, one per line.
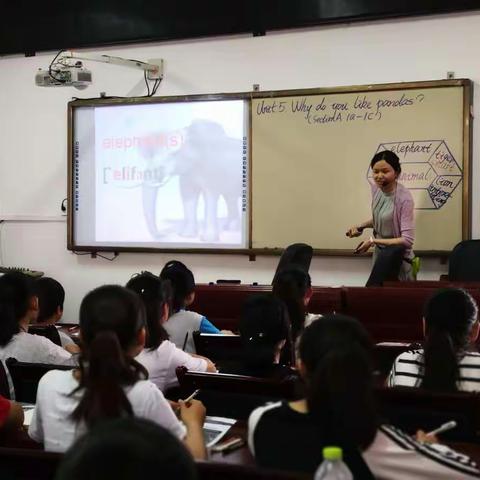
<point>28,463</point>
<point>235,396</point>
<point>388,313</point>
<point>48,331</point>
<point>222,470</point>
<point>464,262</point>
<point>218,347</point>
<point>414,408</point>
<point>25,377</point>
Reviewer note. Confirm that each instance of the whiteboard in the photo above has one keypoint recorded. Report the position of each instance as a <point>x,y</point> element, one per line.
<point>311,152</point>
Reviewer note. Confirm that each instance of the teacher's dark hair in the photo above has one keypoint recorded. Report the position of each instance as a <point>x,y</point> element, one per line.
<point>127,449</point>
<point>16,292</point>
<point>336,352</point>
<point>111,318</point>
<point>389,157</point>
<point>155,294</point>
<point>449,316</point>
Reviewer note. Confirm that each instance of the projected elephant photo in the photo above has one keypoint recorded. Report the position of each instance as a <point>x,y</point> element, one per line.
<point>208,165</point>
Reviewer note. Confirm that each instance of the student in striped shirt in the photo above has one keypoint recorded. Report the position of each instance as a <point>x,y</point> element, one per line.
<point>335,360</point>
<point>444,364</point>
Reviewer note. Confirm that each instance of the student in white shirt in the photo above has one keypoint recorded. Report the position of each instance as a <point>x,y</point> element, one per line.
<point>109,382</point>
<point>160,356</point>
<point>335,359</point>
<point>18,308</point>
<point>182,323</point>
<point>444,364</point>
<point>51,296</point>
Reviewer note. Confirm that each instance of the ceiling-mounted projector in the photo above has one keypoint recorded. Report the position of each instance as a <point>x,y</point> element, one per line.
<point>67,76</point>
<point>64,71</point>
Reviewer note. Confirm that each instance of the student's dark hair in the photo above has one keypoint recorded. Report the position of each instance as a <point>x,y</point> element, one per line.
<point>182,281</point>
<point>51,295</point>
<point>291,285</point>
<point>449,316</point>
<point>263,323</point>
<point>336,351</point>
<point>16,292</point>
<point>155,294</point>
<point>127,449</point>
<point>390,157</point>
<point>110,319</point>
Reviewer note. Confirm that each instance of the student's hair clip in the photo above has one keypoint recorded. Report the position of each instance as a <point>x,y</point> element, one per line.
<point>256,336</point>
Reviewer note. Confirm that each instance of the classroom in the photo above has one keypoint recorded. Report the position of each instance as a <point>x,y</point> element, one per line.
<point>34,129</point>
<point>34,135</point>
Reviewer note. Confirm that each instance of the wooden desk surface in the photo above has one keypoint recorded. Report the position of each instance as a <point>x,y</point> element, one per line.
<point>27,456</point>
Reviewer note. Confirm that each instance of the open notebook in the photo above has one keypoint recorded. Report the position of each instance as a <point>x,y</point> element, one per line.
<point>215,428</point>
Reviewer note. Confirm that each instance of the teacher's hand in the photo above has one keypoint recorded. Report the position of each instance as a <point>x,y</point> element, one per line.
<point>354,231</point>
<point>364,246</point>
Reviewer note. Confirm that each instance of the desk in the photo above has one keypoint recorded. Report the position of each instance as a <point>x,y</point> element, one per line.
<point>26,457</point>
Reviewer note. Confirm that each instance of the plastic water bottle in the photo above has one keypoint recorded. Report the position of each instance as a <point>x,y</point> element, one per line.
<point>332,467</point>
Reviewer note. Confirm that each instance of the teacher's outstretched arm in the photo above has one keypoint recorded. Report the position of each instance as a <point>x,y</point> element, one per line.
<point>357,230</point>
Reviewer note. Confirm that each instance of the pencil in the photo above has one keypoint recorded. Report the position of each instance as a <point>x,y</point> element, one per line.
<point>185,341</point>
<point>191,397</point>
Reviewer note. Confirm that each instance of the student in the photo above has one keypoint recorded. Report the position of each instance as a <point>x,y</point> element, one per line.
<point>51,296</point>
<point>392,222</point>
<point>11,415</point>
<point>109,383</point>
<point>265,332</point>
<point>335,360</point>
<point>293,286</point>
<point>182,323</point>
<point>18,308</point>
<point>127,449</point>
<point>160,356</point>
<point>444,364</point>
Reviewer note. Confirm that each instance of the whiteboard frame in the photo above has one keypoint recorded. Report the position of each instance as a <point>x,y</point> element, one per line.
<point>466,84</point>
<point>95,102</point>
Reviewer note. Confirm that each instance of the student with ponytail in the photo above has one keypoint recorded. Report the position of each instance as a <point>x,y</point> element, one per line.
<point>265,333</point>
<point>109,383</point>
<point>19,308</point>
<point>160,356</point>
<point>183,322</point>
<point>335,361</point>
<point>293,286</point>
<point>444,364</point>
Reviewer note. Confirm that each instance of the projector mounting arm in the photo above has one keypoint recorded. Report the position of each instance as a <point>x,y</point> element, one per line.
<point>154,71</point>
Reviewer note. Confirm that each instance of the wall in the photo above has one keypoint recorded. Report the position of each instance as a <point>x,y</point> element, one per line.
<point>33,129</point>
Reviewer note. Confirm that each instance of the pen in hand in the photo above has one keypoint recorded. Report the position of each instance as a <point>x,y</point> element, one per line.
<point>443,428</point>
<point>191,397</point>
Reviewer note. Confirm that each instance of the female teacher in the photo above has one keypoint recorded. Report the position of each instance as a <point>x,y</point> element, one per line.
<point>392,222</point>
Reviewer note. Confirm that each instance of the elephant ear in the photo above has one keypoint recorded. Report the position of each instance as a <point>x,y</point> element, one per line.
<point>205,132</point>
